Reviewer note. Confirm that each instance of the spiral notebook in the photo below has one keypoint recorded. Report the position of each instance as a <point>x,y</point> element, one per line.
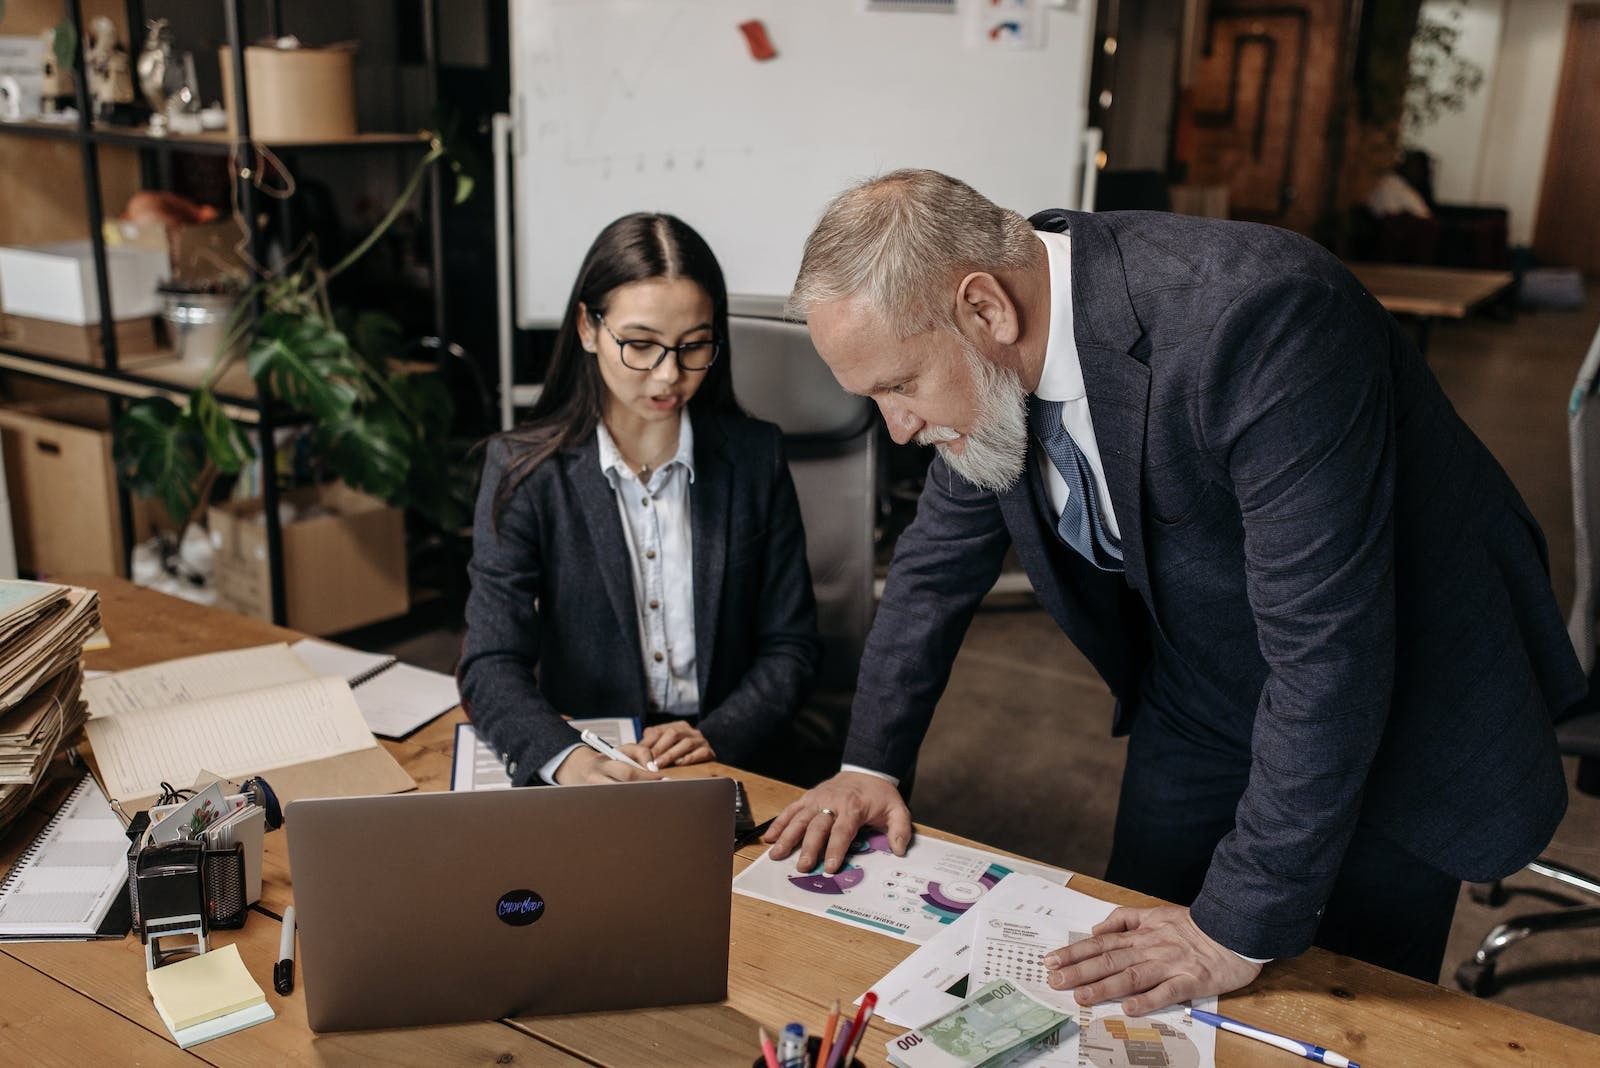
<point>395,698</point>
<point>69,883</point>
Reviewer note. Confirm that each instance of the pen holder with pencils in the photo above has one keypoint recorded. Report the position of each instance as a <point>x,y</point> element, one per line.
<point>813,1047</point>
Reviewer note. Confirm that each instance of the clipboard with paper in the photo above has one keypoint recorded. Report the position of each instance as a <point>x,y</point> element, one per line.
<point>236,713</point>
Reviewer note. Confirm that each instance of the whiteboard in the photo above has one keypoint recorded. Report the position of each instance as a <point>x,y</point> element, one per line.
<point>657,105</point>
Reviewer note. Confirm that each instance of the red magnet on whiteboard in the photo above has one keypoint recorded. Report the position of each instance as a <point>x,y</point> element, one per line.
<point>755,35</point>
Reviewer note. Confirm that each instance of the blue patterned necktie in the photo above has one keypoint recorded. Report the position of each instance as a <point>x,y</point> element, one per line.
<point>1081,526</point>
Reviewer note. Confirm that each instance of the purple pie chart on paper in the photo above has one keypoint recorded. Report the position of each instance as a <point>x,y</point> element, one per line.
<point>818,883</point>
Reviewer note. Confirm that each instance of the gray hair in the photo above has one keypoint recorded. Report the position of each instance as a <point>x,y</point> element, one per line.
<point>902,241</point>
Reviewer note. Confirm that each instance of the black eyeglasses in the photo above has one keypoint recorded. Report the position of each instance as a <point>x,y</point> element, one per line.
<point>640,355</point>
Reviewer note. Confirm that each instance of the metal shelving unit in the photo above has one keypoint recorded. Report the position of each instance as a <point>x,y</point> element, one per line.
<point>242,399</point>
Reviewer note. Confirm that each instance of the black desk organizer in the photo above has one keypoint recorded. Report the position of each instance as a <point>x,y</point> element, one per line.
<point>221,880</point>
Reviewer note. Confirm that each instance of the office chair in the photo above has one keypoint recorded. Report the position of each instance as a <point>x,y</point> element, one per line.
<point>1579,733</point>
<point>829,439</point>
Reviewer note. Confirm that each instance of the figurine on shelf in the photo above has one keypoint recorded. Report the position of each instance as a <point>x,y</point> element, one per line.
<point>55,81</point>
<point>110,74</point>
<point>160,73</point>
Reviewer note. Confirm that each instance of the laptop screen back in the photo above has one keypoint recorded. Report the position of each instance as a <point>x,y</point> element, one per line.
<point>441,907</point>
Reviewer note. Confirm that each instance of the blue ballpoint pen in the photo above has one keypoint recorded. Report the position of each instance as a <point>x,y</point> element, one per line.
<point>1304,1049</point>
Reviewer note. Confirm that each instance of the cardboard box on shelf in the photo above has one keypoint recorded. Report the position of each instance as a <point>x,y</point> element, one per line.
<point>198,252</point>
<point>344,559</point>
<point>57,282</point>
<point>296,94</point>
<point>63,486</point>
<point>81,344</point>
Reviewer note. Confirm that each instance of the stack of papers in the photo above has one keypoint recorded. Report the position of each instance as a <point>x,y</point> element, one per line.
<point>234,714</point>
<point>208,996</point>
<point>43,628</point>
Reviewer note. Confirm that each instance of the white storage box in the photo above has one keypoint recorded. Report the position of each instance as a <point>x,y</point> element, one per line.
<point>56,282</point>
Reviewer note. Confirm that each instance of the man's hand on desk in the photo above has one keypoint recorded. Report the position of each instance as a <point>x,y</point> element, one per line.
<point>1150,958</point>
<point>825,820</point>
<point>584,765</point>
<point>676,743</point>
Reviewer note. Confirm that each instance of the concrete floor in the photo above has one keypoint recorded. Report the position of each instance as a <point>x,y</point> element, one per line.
<point>1021,755</point>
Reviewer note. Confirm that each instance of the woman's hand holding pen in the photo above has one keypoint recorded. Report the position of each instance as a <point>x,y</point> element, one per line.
<point>675,743</point>
<point>584,765</point>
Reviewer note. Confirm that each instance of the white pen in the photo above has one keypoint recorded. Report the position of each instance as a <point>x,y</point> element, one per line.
<point>283,971</point>
<point>1304,1049</point>
<point>611,752</point>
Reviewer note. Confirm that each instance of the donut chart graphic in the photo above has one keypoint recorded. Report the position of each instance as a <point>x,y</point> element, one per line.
<point>818,883</point>
<point>947,901</point>
<point>942,901</point>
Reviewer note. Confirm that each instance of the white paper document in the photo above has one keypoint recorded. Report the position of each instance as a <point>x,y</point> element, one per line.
<point>234,735</point>
<point>913,897</point>
<point>1005,936</point>
<point>395,698</point>
<point>193,678</point>
<point>478,767</point>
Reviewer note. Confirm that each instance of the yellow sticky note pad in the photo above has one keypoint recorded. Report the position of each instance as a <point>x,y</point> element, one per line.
<point>193,991</point>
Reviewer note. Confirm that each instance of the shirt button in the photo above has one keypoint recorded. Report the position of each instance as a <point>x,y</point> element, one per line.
<point>649,554</point>
<point>644,502</point>
<point>659,658</point>
<point>655,604</point>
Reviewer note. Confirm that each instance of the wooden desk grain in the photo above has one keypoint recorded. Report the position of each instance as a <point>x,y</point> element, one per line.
<point>783,965</point>
<point>1431,292</point>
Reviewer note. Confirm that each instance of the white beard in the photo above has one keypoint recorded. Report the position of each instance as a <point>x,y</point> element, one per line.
<point>996,450</point>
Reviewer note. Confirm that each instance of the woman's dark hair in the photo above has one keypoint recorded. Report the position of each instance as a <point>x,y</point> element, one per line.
<point>634,248</point>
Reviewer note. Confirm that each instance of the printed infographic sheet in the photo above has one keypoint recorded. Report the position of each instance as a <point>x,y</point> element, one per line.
<point>1005,936</point>
<point>913,897</point>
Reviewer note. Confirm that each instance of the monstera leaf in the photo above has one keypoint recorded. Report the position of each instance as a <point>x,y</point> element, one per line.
<point>371,450</point>
<point>160,452</point>
<point>226,443</point>
<point>307,364</point>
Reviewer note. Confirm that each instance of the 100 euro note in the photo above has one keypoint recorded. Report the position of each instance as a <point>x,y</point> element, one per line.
<point>982,1030</point>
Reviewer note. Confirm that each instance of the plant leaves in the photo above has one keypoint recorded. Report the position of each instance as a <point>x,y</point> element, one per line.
<point>370,450</point>
<point>459,151</point>
<point>228,446</point>
<point>377,337</point>
<point>159,452</point>
<point>426,401</point>
<point>306,364</point>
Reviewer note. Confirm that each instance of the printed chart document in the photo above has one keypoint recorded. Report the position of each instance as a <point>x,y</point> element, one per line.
<point>240,713</point>
<point>913,897</point>
<point>1004,937</point>
<point>395,698</point>
<point>477,767</point>
<point>70,877</point>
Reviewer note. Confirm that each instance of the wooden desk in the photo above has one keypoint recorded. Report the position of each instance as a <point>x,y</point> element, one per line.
<point>77,1000</point>
<point>1429,293</point>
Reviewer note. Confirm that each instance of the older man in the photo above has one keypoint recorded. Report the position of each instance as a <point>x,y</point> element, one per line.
<point>1322,606</point>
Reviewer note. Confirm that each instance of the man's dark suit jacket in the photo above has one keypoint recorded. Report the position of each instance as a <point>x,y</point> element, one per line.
<point>1313,530</point>
<point>551,623</point>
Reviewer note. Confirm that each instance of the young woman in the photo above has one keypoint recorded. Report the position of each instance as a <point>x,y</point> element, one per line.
<point>637,546</point>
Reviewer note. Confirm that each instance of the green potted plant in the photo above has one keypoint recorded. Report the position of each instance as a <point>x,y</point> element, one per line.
<point>381,429</point>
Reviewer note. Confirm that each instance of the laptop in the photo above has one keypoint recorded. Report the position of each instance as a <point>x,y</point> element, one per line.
<point>432,908</point>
